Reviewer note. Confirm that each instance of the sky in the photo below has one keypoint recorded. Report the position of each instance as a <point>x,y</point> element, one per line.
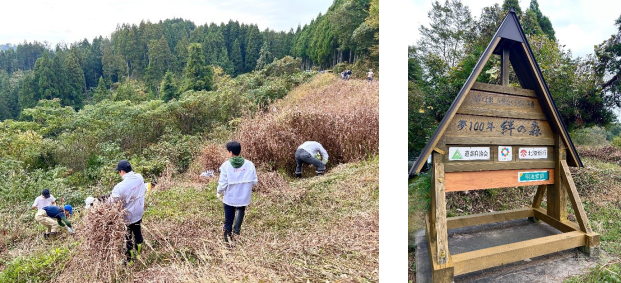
<point>579,24</point>
<point>69,21</point>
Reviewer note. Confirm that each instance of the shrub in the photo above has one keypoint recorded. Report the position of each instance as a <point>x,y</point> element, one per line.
<point>594,136</point>
<point>616,141</point>
<point>613,130</point>
<point>38,268</point>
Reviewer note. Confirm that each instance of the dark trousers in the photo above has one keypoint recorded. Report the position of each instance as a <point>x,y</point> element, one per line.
<point>230,218</point>
<point>133,229</point>
<point>302,156</point>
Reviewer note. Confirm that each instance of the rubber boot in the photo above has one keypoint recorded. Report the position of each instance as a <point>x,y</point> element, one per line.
<point>138,250</point>
<point>298,175</point>
<point>46,236</point>
<point>318,173</point>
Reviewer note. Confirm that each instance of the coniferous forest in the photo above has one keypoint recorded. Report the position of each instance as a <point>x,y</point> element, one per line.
<point>167,97</point>
<point>149,58</point>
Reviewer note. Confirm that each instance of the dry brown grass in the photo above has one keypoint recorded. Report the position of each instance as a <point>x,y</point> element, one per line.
<point>341,115</point>
<point>210,157</point>
<point>318,229</point>
<point>99,253</point>
<point>310,230</point>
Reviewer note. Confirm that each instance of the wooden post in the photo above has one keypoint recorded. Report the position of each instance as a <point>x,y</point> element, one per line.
<point>504,71</point>
<point>581,216</point>
<point>557,196</point>
<point>539,196</point>
<point>440,209</point>
<point>541,189</point>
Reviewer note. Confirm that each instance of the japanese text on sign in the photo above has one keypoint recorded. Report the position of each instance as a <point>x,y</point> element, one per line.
<point>533,176</point>
<point>503,101</point>
<point>507,127</point>
<point>469,153</point>
<point>533,153</point>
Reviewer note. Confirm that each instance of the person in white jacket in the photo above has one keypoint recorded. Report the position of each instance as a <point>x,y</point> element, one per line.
<point>130,192</point>
<point>308,152</point>
<point>237,176</point>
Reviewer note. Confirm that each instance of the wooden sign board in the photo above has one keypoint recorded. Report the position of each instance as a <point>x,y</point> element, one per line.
<point>497,136</point>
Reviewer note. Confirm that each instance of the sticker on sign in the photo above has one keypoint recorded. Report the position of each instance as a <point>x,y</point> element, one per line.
<point>533,153</point>
<point>505,153</point>
<point>469,153</point>
<point>533,176</point>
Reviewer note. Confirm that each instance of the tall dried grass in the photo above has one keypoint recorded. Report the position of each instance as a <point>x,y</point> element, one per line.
<point>341,115</point>
<point>210,157</point>
<point>99,253</point>
<point>316,230</point>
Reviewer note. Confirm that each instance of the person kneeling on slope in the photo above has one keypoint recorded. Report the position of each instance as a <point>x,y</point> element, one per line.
<point>308,152</point>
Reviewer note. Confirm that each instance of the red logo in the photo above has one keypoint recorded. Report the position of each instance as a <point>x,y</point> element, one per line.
<point>523,153</point>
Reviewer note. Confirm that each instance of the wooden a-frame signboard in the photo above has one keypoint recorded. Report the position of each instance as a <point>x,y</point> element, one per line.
<point>497,136</point>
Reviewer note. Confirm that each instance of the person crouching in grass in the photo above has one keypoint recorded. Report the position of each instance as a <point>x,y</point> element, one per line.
<point>237,176</point>
<point>54,217</point>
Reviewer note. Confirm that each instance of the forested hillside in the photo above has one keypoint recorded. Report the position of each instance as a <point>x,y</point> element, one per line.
<point>161,60</point>
<point>585,89</point>
<point>288,231</point>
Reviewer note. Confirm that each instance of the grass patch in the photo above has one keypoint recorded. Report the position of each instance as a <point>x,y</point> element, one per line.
<point>601,273</point>
<point>40,267</point>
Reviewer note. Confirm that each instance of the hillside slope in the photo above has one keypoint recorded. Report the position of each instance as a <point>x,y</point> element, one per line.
<point>322,228</point>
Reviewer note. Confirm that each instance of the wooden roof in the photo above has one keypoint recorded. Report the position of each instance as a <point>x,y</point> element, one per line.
<point>509,35</point>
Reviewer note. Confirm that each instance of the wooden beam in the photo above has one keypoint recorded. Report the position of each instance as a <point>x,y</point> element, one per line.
<point>484,126</point>
<point>504,89</point>
<point>504,71</point>
<point>491,112</point>
<point>485,218</point>
<point>464,181</point>
<point>576,203</point>
<point>456,140</point>
<point>566,226</point>
<point>472,166</point>
<point>557,197</point>
<point>440,221</point>
<point>439,273</point>
<point>490,257</point>
<point>493,104</point>
<point>541,189</point>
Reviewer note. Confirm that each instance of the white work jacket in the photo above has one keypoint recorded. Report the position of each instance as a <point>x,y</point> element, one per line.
<point>131,192</point>
<point>236,183</point>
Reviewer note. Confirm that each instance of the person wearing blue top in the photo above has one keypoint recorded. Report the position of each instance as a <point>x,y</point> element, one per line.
<point>56,217</point>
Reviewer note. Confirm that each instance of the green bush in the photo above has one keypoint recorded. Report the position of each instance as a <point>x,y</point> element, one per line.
<point>38,268</point>
<point>593,136</point>
<point>613,130</point>
<point>616,141</point>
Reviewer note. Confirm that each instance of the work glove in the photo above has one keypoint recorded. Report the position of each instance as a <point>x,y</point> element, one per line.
<point>70,230</point>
